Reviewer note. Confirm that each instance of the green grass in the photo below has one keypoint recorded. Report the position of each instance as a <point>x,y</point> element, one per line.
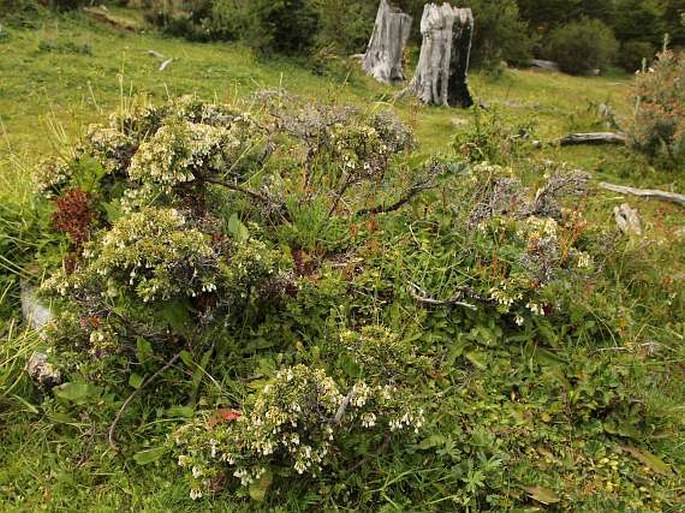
<point>50,92</point>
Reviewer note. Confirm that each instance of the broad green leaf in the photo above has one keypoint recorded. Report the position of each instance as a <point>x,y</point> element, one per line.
<point>135,380</point>
<point>624,429</point>
<point>259,487</point>
<point>238,229</point>
<point>478,359</point>
<point>180,411</point>
<point>149,455</point>
<point>77,393</point>
<point>432,441</point>
<point>542,495</point>
<point>649,460</point>
<point>187,358</point>
<point>177,315</point>
<point>143,349</point>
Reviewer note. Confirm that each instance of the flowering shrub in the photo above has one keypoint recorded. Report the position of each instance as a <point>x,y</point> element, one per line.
<point>299,421</point>
<point>658,126</point>
<point>521,242</point>
<point>154,254</point>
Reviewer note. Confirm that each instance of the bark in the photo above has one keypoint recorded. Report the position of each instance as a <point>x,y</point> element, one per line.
<point>383,57</point>
<point>442,71</point>
<point>592,138</point>
<point>646,193</point>
<point>627,220</point>
<point>544,65</point>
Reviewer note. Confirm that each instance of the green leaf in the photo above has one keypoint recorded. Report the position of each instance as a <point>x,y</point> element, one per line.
<point>26,404</point>
<point>149,455</point>
<point>187,358</point>
<point>143,349</point>
<point>432,441</point>
<point>542,495</point>
<point>478,359</point>
<point>177,315</point>
<point>180,411</point>
<point>649,460</point>
<point>135,380</point>
<point>259,487</point>
<point>238,229</point>
<point>77,393</point>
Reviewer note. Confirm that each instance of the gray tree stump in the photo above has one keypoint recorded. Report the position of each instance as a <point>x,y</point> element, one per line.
<point>383,57</point>
<point>627,220</point>
<point>442,71</point>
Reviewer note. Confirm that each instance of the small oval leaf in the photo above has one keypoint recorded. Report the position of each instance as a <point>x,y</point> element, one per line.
<point>542,495</point>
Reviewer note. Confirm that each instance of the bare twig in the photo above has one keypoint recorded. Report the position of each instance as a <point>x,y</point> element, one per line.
<point>651,347</point>
<point>127,402</point>
<point>420,295</point>
<point>408,196</point>
<point>343,406</point>
<point>238,188</point>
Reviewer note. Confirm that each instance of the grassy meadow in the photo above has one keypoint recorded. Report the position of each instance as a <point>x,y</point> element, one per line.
<point>529,424</point>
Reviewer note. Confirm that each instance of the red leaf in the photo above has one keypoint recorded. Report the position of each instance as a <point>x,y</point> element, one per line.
<point>224,415</point>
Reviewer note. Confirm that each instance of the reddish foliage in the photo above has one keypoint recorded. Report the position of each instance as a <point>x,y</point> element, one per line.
<point>304,263</point>
<point>74,215</point>
<point>224,415</point>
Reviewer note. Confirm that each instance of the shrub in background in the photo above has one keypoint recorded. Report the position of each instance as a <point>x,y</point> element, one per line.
<point>632,54</point>
<point>499,33</point>
<point>658,126</point>
<point>20,12</point>
<point>583,46</point>
<point>288,26</point>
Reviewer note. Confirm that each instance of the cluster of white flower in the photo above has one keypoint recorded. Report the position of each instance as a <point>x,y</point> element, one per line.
<point>361,150</point>
<point>506,294</point>
<point>413,420</point>
<point>295,419</point>
<point>536,308</point>
<point>51,174</point>
<point>111,147</point>
<point>153,253</point>
<point>178,151</point>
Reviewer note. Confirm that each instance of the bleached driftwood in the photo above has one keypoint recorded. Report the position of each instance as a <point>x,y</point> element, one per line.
<point>383,57</point>
<point>592,138</point>
<point>442,71</point>
<point>164,65</point>
<point>646,193</point>
<point>544,65</point>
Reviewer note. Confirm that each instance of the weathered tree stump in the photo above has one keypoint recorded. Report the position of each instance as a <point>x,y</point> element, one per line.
<point>383,57</point>
<point>627,220</point>
<point>442,71</point>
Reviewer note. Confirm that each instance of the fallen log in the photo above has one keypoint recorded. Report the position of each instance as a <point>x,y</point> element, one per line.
<point>544,65</point>
<point>645,193</point>
<point>594,138</point>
